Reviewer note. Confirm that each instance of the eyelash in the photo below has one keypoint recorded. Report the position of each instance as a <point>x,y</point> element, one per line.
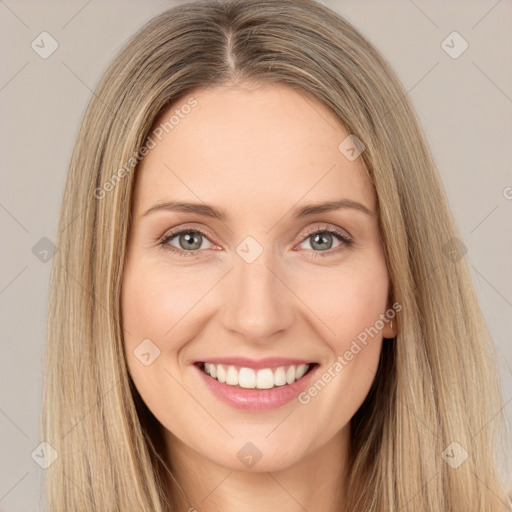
<point>346,242</point>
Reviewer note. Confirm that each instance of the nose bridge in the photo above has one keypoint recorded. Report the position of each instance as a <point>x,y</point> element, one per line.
<point>259,304</point>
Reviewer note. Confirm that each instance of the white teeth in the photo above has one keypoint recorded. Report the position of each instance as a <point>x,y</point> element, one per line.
<point>266,378</point>
<point>221,372</point>
<point>301,370</point>
<point>290,375</point>
<point>280,377</point>
<point>246,378</point>
<point>232,376</point>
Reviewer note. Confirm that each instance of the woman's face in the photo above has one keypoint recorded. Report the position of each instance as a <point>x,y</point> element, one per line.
<point>254,275</point>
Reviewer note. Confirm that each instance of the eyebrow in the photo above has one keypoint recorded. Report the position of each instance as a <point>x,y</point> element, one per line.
<point>220,214</point>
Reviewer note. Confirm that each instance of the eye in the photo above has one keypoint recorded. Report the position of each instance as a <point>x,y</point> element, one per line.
<point>320,240</point>
<point>189,242</point>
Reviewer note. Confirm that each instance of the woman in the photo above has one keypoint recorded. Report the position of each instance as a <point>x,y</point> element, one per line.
<point>260,298</point>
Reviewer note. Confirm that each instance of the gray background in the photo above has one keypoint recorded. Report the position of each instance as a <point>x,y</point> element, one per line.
<point>464,105</point>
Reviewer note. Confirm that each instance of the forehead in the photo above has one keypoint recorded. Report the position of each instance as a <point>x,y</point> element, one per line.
<point>249,146</point>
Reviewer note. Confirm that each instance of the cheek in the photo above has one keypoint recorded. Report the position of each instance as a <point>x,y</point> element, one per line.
<point>152,307</point>
<point>154,302</point>
<point>348,301</point>
<point>158,305</point>
<point>348,304</point>
<point>149,306</point>
<point>145,304</point>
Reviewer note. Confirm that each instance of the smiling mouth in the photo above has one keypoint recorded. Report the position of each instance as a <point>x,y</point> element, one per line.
<point>248,378</point>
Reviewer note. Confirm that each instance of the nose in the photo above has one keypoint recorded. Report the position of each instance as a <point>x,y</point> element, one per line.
<point>258,304</point>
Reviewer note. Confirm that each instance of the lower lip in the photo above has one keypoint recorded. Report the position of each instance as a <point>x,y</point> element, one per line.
<point>256,399</point>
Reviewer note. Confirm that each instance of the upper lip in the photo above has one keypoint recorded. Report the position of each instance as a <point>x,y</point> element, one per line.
<point>267,362</point>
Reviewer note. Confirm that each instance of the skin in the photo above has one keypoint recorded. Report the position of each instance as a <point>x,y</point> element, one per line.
<point>257,152</point>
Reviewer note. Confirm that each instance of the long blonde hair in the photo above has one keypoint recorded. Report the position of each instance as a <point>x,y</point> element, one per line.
<point>437,382</point>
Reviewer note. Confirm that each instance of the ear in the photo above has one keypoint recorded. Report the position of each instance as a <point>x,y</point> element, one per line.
<point>390,320</point>
<point>389,330</point>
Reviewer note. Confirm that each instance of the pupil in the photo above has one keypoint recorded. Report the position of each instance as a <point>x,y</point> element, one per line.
<point>190,239</point>
<point>322,239</point>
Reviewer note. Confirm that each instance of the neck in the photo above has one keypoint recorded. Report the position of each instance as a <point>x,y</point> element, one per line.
<point>315,482</point>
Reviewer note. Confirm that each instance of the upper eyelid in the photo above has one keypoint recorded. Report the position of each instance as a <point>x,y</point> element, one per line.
<point>178,230</point>
<point>327,228</point>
